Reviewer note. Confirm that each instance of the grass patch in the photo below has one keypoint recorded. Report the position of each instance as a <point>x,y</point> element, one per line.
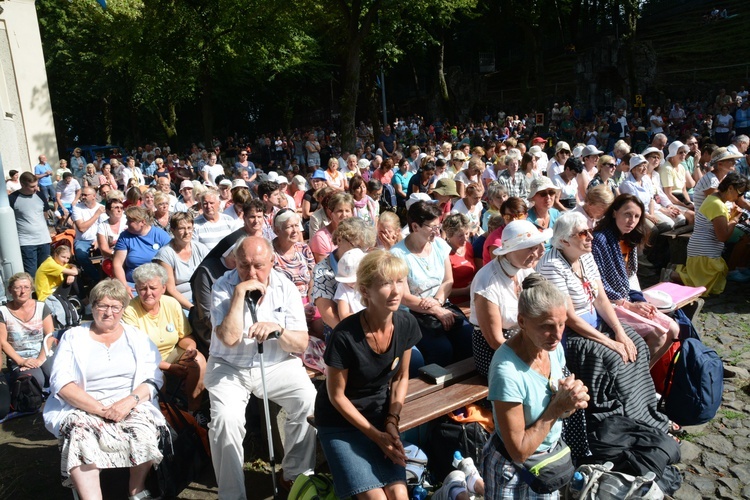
<point>692,437</point>
<point>732,415</point>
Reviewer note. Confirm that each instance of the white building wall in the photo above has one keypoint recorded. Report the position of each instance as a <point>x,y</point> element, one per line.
<point>27,128</point>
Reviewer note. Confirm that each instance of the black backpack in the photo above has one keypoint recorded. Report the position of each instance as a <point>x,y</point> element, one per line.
<point>448,436</point>
<point>26,394</point>
<point>4,397</point>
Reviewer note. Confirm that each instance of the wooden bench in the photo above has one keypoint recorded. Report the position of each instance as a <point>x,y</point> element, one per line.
<point>678,241</point>
<point>426,401</point>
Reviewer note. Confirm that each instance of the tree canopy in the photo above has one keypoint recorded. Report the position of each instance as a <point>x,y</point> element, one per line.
<point>189,70</point>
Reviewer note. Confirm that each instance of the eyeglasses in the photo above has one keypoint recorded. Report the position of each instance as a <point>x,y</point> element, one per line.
<point>550,193</point>
<point>512,217</point>
<point>564,152</point>
<point>585,233</point>
<point>434,228</point>
<point>104,308</point>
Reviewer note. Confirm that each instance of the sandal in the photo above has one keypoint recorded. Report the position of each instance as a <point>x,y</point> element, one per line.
<point>676,430</point>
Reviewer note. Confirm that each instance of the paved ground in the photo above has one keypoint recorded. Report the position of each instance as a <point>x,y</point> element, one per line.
<point>716,456</point>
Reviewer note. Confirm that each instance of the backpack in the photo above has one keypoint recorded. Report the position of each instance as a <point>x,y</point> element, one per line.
<point>387,200</point>
<point>694,384</point>
<point>64,313</point>
<point>4,397</point>
<point>26,395</point>
<point>312,487</point>
<point>600,482</point>
<point>446,437</point>
<point>416,465</point>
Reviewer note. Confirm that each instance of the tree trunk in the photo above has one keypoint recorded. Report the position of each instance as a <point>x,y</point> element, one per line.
<point>442,84</point>
<point>358,28</point>
<point>350,95</point>
<point>107,99</point>
<point>168,123</point>
<point>207,108</point>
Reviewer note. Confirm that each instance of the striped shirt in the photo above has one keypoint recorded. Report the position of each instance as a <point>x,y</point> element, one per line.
<point>211,233</point>
<point>703,241</point>
<point>556,269</point>
<point>708,181</point>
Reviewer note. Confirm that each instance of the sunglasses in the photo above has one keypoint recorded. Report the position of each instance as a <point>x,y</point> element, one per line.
<point>550,193</point>
<point>511,217</point>
<point>610,165</point>
<point>584,234</point>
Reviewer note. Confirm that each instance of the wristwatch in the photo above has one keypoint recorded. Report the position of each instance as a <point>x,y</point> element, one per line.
<point>136,397</point>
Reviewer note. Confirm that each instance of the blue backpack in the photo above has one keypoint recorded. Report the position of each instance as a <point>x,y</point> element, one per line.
<point>694,384</point>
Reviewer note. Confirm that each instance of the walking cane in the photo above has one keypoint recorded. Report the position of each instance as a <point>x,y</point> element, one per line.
<point>251,299</point>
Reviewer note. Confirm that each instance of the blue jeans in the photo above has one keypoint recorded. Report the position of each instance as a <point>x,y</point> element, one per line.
<point>49,192</point>
<point>82,248</point>
<point>33,256</point>
<point>444,348</point>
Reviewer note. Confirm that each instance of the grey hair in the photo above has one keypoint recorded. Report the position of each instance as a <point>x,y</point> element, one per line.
<point>455,223</point>
<point>109,289</point>
<point>659,136</point>
<point>622,146</point>
<point>512,154</point>
<point>356,231</point>
<point>741,139</point>
<point>149,271</point>
<point>539,296</point>
<point>565,226</point>
<point>209,192</point>
<point>281,219</point>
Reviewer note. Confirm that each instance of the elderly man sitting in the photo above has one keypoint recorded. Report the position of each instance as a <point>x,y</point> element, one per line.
<point>233,371</point>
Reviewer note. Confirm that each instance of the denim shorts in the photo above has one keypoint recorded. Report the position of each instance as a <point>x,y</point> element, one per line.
<point>357,463</point>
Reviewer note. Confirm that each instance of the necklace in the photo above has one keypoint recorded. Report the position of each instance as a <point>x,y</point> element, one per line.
<point>378,349</point>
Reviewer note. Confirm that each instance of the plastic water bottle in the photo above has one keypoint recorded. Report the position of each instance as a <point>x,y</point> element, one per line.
<point>418,493</point>
<point>576,485</point>
<point>457,458</point>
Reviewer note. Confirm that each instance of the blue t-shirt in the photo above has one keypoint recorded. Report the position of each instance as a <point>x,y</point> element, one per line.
<point>403,181</point>
<point>41,169</point>
<point>426,274</point>
<point>140,249</point>
<point>513,381</point>
<point>554,214</point>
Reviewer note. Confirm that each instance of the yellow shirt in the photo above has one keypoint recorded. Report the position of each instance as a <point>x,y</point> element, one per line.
<point>48,277</point>
<point>165,329</point>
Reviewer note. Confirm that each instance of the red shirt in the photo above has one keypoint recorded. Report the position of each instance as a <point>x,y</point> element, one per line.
<point>464,270</point>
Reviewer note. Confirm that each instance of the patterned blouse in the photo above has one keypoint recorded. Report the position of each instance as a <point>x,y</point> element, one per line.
<point>298,268</point>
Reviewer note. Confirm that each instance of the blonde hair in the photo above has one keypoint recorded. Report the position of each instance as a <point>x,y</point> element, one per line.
<point>379,266</point>
<point>111,289</point>
<point>600,195</point>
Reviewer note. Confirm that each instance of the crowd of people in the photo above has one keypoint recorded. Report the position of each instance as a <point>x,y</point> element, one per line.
<point>430,243</point>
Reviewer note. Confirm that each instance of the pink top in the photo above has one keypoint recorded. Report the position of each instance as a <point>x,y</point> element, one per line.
<point>322,242</point>
<point>384,178</point>
<point>495,238</point>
